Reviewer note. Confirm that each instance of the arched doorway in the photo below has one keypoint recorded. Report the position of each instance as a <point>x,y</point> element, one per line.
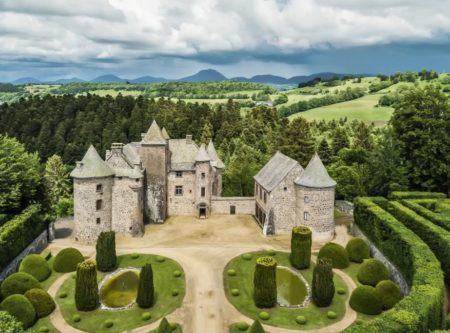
<point>202,210</point>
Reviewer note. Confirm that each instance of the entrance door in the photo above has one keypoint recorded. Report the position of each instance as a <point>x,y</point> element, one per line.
<point>232,210</point>
<point>202,212</point>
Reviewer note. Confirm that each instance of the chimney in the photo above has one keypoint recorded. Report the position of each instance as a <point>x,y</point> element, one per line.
<point>116,148</point>
<point>189,138</point>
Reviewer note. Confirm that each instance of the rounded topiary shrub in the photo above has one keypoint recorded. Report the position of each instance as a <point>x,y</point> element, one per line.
<point>86,288</point>
<point>67,260</point>
<point>264,315</point>
<point>108,323</point>
<point>335,253</point>
<point>367,300</point>
<point>43,329</point>
<point>42,302</point>
<point>146,316</point>
<point>264,282</point>
<point>106,251</point>
<point>36,266</point>
<point>18,283</point>
<point>372,271</point>
<point>235,292</point>
<point>301,247</point>
<point>76,318</point>
<point>331,315</point>
<point>242,326</point>
<point>389,292</point>
<point>358,250</point>
<point>21,308</point>
<point>301,320</point>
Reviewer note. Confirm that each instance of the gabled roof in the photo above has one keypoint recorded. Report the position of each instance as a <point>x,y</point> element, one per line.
<point>275,171</point>
<point>92,166</point>
<point>315,175</point>
<point>165,134</point>
<point>215,160</point>
<point>202,155</point>
<point>154,135</point>
<point>183,154</point>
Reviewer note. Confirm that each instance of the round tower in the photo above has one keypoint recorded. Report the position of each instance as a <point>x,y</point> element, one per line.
<point>93,181</point>
<point>315,200</point>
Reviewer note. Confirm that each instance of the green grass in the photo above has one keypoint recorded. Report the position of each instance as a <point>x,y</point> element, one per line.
<point>41,323</point>
<point>124,320</point>
<point>280,317</point>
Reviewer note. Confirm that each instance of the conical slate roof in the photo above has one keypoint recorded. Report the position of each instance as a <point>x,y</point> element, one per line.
<point>315,175</point>
<point>153,135</point>
<point>202,155</point>
<point>211,150</point>
<point>92,166</point>
<point>164,133</point>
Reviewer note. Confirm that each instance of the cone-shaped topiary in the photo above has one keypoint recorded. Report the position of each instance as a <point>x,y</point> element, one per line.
<point>357,250</point>
<point>256,327</point>
<point>322,283</point>
<point>42,302</point>
<point>265,282</point>
<point>372,271</point>
<point>389,292</point>
<point>335,253</point>
<point>301,247</point>
<point>164,326</point>
<point>146,291</point>
<point>67,260</point>
<point>36,266</point>
<point>21,308</point>
<point>106,251</point>
<point>18,283</point>
<point>86,288</point>
<point>366,299</point>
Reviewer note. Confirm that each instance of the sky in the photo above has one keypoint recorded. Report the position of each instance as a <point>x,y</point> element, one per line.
<point>173,38</point>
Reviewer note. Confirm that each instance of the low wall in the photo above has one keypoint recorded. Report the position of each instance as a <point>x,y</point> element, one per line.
<point>243,205</point>
<point>36,246</point>
<point>344,206</point>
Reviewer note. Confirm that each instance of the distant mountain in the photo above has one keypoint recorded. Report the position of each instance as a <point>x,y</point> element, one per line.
<point>65,81</point>
<point>204,75</point>
<point>108,78</point>
<point>149,79</point>
<point>26,80</point>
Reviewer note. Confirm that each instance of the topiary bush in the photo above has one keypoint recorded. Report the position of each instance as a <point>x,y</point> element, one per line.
<point>36,266</point>
<point>9,323</point>
<point>264,315</point>
<point>301,320</point>
<point>264,282</point>
<point>21,308</point>
<point>18,283</point>
<point>164,326</point>
<point>256,327</point>
<point>367,300</point>
<point>389,292</point>
<point>146,290</point>
<point>357,250</point>
<point>108,323</point>
<point>76,318</point>
<point>322,286</point>
<point>146,316</point>
<point>42,302</point>
<point>67,260</point>
<point>372,271</point>
<point>86,288</point>
<point>106,251</point>
<point>242,326</point>
<point>331,315</point>
<point>301,241</point>
<point>335,253</point>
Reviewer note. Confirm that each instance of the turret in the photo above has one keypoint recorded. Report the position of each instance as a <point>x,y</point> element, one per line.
<point>315,191</point>
<point>217,163</point>
<point>93,180</point>
<point>203,184</point>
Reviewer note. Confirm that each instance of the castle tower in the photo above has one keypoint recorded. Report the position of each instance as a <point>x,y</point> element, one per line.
<point>219,166</point>
<point>92,190</point>
<point>203,183</point>
<point>315,200</point>
<point>154,154</point>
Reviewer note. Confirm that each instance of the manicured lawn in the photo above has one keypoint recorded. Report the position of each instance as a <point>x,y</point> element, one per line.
<point>43,322</point>
<point>165,283</point>
<point>279,316</point>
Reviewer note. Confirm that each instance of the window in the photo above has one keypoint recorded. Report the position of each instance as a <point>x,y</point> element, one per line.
<point>178,190</point>
<point>99,204</point>
<point>203,191</point>
<point>203,175</point>
<point>306,199</point>
<point>265,197</point>
<point>99,188</point>
<point>285,189</point>
<point>179,174</point>
<point>306,216</point>
<point>232,210</point>
<point>98,220</point>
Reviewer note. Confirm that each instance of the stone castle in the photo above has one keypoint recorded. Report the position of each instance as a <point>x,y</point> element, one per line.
<point>147,181</point>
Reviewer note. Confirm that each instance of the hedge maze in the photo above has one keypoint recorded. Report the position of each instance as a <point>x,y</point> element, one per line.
<point>412,229</point>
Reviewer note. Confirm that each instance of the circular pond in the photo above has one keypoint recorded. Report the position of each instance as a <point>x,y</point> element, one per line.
<point>118,290</point>
<point>292,288</point>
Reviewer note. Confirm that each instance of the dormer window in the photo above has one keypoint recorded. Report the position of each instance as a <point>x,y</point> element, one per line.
<point>99,188</point>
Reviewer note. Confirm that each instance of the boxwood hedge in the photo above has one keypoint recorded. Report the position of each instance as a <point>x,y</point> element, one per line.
<point>396,195</point>
<point>421,310</point>
<point>439,219</point>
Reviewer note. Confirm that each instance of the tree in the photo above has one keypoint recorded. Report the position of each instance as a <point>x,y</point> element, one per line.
<point>264,282</point>
<point>19,176</point>
<point>86,288</point>
<point>106,251</point>
<point>9,324</point>
<point>301,247</point>
<point>297,141</point>
<point>363,137</point>
<point>340,140</point>
<point>56,180</point>
<point>348,179</point>
<point>322,284</point>
<point>324,152</point>
<point>146,290</point>
<point>206,135</point>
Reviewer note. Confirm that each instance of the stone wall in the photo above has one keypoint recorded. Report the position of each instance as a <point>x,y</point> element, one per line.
<point>344,206</point>
<point>203,182</point>
<point>181,204</point>
<point>36,246</point>
<point>243,205</point>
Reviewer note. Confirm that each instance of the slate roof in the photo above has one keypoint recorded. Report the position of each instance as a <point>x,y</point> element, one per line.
<point>92,166</point>
<point>202,155</point>
<point>165,134</point>
<point>182,154</point>
<point>215,160</point>
<point>154,135</point>
<point>275,171</point>
<point>129,172</point>
<point>315,175</point>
